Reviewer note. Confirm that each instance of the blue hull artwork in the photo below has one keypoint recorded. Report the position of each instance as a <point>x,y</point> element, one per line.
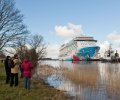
<point>88,52</point>
<point>84,53</point>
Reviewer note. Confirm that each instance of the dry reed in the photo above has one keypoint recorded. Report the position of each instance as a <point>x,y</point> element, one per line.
<point>85,75</point>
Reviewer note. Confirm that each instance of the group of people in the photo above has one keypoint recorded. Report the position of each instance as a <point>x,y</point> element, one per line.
<point>12,67</point>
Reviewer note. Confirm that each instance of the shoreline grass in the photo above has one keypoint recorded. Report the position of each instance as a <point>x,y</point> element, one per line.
<point>39,90</point>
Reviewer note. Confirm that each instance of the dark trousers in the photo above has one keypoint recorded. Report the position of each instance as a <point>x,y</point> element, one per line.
<point>27,83</point>
<point>14,79</point>
<point>7,78</point>
<point>8,74</point>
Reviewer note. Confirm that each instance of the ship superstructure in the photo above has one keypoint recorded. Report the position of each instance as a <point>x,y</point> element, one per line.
<point>79,48</point>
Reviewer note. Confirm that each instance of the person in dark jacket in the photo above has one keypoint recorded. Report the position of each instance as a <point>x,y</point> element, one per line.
<point>7,68</point>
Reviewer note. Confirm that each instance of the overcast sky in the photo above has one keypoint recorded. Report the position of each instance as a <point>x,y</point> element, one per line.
<point>60,20</point>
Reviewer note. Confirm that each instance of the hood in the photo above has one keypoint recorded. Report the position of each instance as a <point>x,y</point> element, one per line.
<point>26,60</point>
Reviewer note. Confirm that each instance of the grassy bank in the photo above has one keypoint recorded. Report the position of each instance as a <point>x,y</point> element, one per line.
<point>39,90</point>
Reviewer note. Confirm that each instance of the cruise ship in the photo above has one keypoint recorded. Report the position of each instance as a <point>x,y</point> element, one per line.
<point>79,48</point>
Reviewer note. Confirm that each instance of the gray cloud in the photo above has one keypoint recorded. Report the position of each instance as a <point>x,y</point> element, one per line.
<point>68,31</point>
<point>114,37</point>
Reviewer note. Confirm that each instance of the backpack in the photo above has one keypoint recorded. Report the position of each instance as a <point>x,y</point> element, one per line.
<point>11,64</point>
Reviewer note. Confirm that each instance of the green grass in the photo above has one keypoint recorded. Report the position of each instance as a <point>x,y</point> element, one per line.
<point>39,90</point>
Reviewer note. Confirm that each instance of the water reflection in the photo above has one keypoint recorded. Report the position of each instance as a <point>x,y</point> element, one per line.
<point>87,80</point>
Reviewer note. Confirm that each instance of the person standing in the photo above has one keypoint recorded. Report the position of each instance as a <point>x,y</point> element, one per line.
<point>27,67</point>
<point>15,70</point>
<point>7,69</point>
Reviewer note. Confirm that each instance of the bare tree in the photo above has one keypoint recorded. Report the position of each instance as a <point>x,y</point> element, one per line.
<point>36,49</point>
<point>11,23</point>
<point>21,48</point>
<point>38,44</point>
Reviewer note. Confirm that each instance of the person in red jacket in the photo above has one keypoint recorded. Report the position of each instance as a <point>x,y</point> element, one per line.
<point>27,67</point>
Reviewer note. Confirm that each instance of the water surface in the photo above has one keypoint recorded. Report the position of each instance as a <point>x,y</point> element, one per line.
<point>87,80</point>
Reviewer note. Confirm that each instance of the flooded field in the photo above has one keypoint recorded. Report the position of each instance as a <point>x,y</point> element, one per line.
<point>83,80</point>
